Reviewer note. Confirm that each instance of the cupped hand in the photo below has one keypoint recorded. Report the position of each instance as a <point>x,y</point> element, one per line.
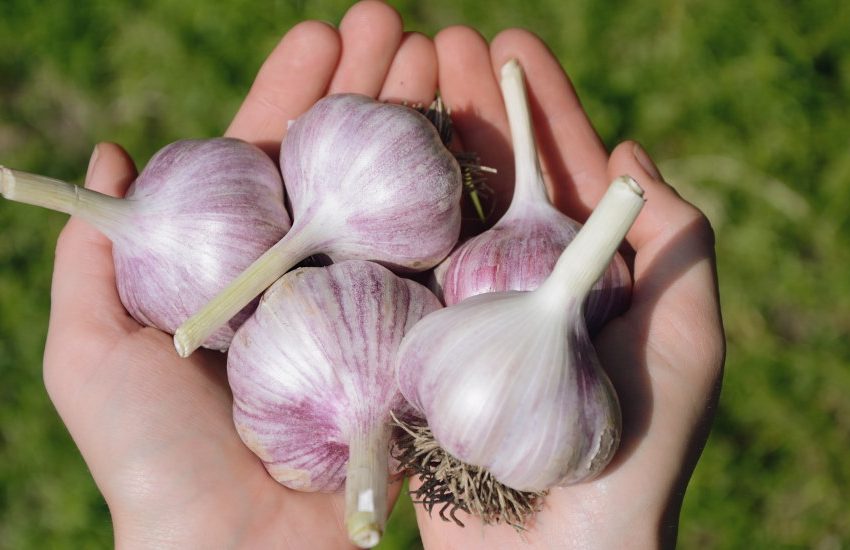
<point>156,430</point>
<point>664,356</point>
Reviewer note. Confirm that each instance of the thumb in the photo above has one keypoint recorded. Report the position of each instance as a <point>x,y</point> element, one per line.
<point>111,170</point>
<point>665,211</point>
<point>675,295</point>
<point>84,295</point>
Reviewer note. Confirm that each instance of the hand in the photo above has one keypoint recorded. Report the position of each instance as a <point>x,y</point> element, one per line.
<point>155,430</point>
<point>664,356</point>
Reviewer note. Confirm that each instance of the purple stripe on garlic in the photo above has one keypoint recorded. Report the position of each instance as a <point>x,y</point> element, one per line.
<point>366,181</point>
<point>521,249</point>
<point>313,380</point>
<point>198,214</point>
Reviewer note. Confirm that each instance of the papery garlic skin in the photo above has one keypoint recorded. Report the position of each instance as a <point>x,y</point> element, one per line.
<point>315,365</point>
<point>313,380</point>
<point>510,381</point>
<point>519,253</point>
<point>533,407</point>
<point>200,212</point>
<point>366,180</point>
<point>346,147</point>
<point>521,249</point>
<point>203,210</point>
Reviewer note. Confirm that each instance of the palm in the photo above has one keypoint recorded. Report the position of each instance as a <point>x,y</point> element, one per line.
<point>156,430</point>
<point>664,356</point>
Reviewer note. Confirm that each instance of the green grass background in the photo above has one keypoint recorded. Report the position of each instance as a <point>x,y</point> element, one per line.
<point>744,104</point>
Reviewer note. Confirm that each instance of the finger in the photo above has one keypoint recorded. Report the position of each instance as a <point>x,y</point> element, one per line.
<point>573,158</point>
<point>470,89</point>
<point>371,32</point>
<point>675,292</point>
<point>665,212</point>
<point>84,292</point>
<point>295,76</point>
<point>665,354</point>
<point>412,77</point>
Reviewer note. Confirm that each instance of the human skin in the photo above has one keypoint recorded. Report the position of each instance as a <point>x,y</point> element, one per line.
<point>156,430</point>
<point>665,355</point>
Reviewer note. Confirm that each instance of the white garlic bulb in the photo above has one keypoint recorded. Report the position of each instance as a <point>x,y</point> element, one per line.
<point>510,381</point>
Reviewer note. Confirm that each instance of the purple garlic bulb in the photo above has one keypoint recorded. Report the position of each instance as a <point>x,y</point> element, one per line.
<point>199,213</point>
<point>313,380</point>
<point>521,249</point>
<point>366,180</point>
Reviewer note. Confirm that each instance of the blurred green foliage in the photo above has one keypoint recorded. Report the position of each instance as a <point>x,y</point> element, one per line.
<point>745,105</point>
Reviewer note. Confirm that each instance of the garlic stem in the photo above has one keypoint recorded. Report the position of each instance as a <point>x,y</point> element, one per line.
<point>260,275</point>
<point>588,255</point>
<point>529,185</point>
<point>106,213</point>
<point>366,485</point>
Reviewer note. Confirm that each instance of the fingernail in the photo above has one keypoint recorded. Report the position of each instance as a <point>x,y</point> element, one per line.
<point>646,162</point>
<point>92,164</point>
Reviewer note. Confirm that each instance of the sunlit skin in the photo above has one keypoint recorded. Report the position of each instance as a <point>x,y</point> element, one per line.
<point>156,431</point>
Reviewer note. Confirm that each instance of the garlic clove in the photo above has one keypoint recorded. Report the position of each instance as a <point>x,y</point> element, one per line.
<point>313,380</point>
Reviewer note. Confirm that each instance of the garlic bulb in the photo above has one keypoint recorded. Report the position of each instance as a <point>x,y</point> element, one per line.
<point>199,213</point>
<point>520,250</point>
<point>366,181</point>
<point>313,380</point>
<point>510,381</point>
